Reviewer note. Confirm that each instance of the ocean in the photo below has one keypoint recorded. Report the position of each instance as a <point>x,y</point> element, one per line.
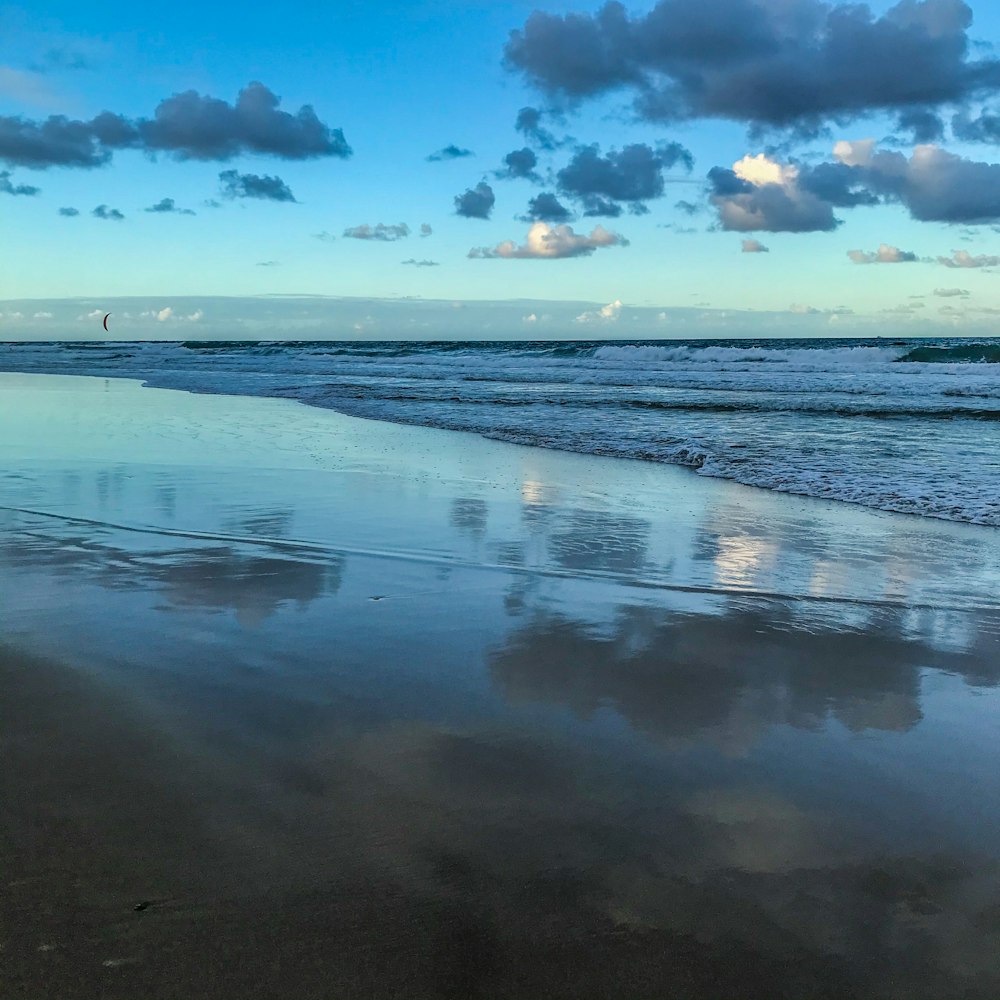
<point>911,426</point>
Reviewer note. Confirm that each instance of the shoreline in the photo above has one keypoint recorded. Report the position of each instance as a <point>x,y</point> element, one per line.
<point>368,709</point>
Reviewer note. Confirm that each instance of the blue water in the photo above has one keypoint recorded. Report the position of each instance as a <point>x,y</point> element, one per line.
<point>909,426</point>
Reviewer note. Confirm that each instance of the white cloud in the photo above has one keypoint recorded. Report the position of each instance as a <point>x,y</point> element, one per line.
<point>884,255</point>
<point>950,293</point>
<point>858,153</point>
<point>42,315</point>
<point>196,315</point>
<point>760,169</point>
<point>606,314</point>
<point>755,246</point>
<point>553,242</point>
<point>962,258</point>
<point>164,314</point>
<point>530,318</point>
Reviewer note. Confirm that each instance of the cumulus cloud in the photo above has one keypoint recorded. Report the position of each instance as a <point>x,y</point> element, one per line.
<point>69,212</point>
<point>164,314</point>
<point>324,237</point>
<point>449,153</point>
<point>266,187</point>
<point>529,122</point>
<point>932,184</point>
<point>985,127</point>
<point>111,214</point>
<point>425,229</point>
<point>759,193</point>
<point>552,242</point>
<point>884,255</point>
<point>198,127</point>
<point>167,205</point>
<point>476,203</point>
<point>951,293</point>
<point>922,124</point>
<point>755,246</point>
<point>187,126</point>
<point>7,186</point>
<point>546,207</point>
<point>606,314</point>
<point>519,163</point>
<point>421,263</point>
<point>632,175</point>
<point>59,141</point>
<point>962,258</point>
<point>758,61</point>
<point>381,233</point>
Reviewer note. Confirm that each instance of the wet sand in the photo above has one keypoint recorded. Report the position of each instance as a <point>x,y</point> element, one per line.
<point>355,710</point>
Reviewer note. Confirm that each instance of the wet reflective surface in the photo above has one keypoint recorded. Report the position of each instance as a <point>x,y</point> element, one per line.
<point>418,715</point>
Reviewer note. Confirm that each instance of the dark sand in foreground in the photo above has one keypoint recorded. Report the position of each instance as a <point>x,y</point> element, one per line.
<point>354,710</point>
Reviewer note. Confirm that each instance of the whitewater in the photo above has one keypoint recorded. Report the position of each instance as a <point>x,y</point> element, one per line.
<point>905,426</point>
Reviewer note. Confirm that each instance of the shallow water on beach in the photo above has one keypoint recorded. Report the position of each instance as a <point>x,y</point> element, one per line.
<point>426,720</point>
<point>907,425</point>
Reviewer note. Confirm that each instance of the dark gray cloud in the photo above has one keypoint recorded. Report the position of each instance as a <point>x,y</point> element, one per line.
<point>475,203</point>
<point>324,236</point>
<point>529,122</point>
<point>196,127</point>
<point>633,175</point>
<point>421,263</point>
<point>187,126</point>
<point>381,233</point>
<point>69,212</point>
<point>425,229</point>
<point>985,127</point>
<point>922,124</point>
<point>950,293</point>
<point>110,214</point>
<point>62,142</point>
<point>758,61</point>
<point>688,207</point>
<point>266,187</point>
<point>519,163</point>
<point>449,153</point>
<point>166,205</point>
<point>7,186</point>
<point>932,184</point>
<point>268,263</point>
<point>546,207</point>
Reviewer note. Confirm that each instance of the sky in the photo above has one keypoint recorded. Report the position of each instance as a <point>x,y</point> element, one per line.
<point>686,168</point>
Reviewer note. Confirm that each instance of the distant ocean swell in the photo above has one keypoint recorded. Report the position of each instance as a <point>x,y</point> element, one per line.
<point>909,426</point>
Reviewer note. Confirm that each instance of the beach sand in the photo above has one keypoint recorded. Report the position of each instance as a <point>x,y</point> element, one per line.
<point>299,705</point>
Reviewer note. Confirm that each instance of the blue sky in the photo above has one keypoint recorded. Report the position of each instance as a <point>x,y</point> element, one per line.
<point>403,80</point>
